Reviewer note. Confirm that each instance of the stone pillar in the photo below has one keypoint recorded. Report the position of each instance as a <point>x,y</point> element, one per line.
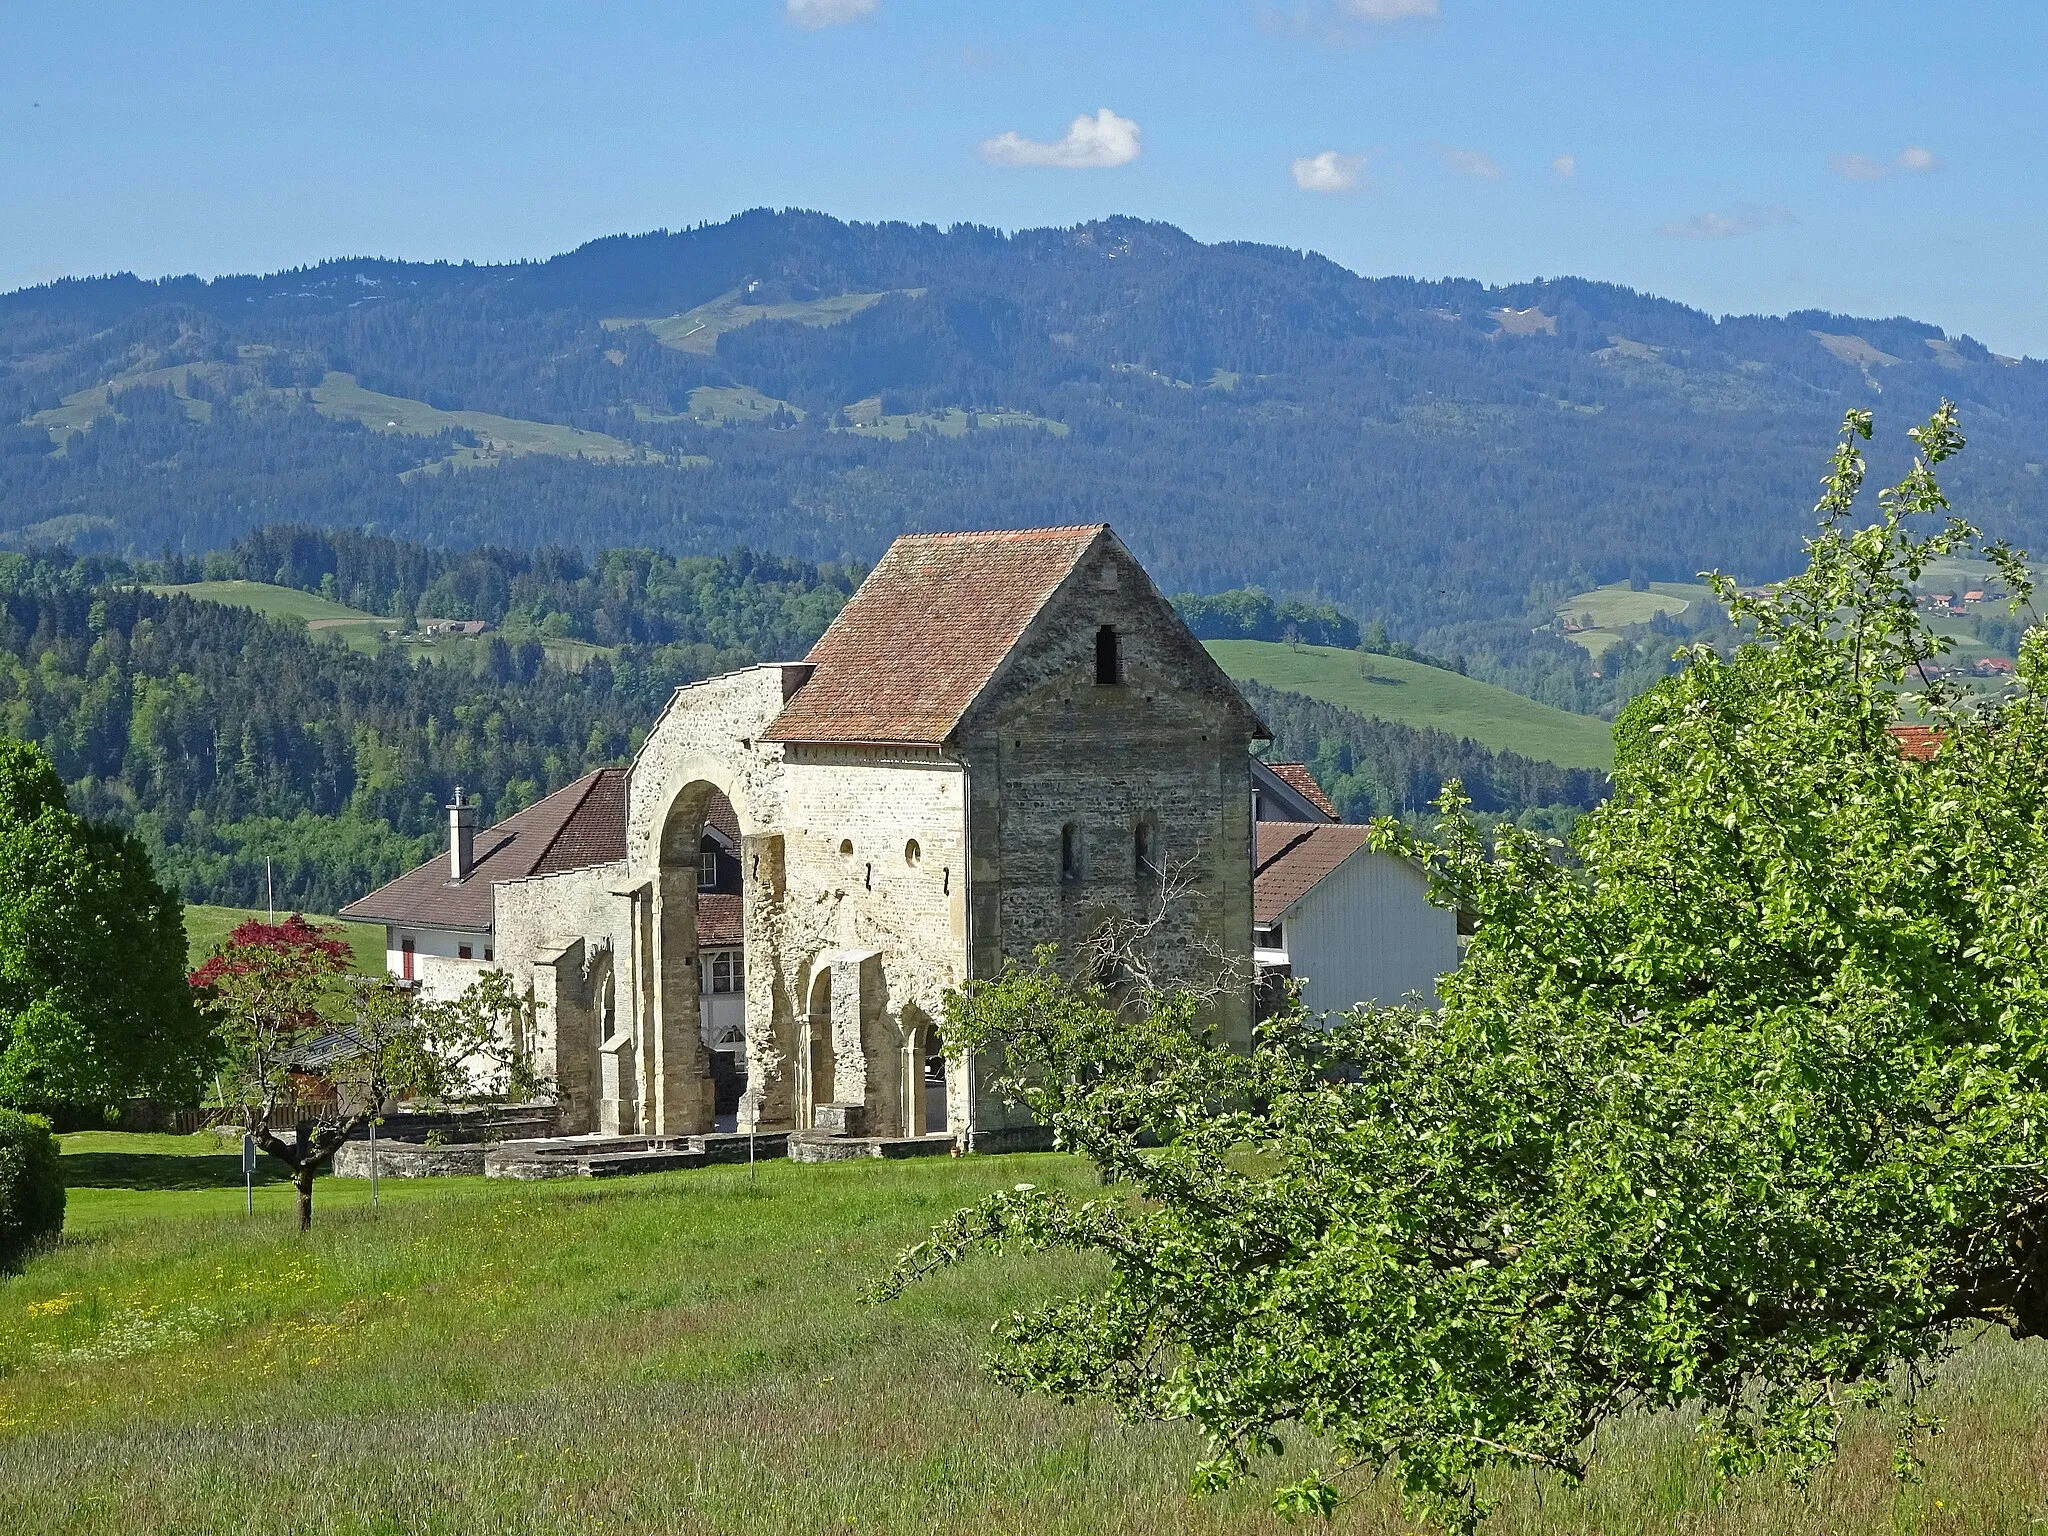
<point>562,1026</point>
<point>773,1012</point>
<point>618,1105</point>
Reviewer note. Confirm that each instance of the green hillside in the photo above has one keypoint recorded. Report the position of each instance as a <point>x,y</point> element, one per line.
<point>310,608</point>
<point>1596,619</point>
<point>207,926</point>
<point>1385,688</point>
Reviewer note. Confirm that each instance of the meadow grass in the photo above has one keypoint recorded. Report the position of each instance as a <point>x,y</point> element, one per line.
<point>691,1352</point>
<point>206,926</point>
<point>698,330</point>
<point>1616,605</point>
<point>340,396</point>
<point>273,602</point>
<point>1389,689</point>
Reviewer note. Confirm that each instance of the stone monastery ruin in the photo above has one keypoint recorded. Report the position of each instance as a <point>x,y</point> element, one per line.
<point>1003,740</point>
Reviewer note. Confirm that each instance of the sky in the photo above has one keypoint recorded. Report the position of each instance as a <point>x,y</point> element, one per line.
<point>1873,159</point>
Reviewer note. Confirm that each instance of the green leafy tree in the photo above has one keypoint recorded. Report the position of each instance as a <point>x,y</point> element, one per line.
<point>31,1186</point>
<point>300,1034</point>
<point>1743,1108</point>
<point>93,1005</point>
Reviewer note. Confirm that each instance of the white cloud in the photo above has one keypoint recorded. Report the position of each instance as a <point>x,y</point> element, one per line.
<point>1391,10</point>
<point>1089,143</point>
<point>1744,219</point>
<point>1566,165</point>
<point>1914,158</point>
<point>1329,172</point>
<point>1477,164</point>
<point>1856,167</point>
<point>811,14</point>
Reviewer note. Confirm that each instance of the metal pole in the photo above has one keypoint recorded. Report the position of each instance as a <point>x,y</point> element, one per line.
<point>249,1172</point>
<point>373,1162</point>
<point>269,893</point>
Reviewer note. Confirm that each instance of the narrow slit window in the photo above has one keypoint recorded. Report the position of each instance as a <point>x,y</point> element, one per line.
<point>1145,851</point>
<point>707,869</point>
<point>1070,852</point>
<point>1108,664</point>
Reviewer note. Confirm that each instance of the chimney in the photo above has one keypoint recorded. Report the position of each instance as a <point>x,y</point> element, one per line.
<point>461,837</point>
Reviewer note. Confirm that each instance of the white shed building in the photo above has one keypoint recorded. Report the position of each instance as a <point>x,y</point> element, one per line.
<point>1351,924</point>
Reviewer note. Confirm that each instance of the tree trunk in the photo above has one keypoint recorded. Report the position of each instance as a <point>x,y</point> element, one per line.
<point>302,1177</point>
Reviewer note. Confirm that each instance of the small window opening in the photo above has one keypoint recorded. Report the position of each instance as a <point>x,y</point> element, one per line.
<point>721,972</point>
<point>462,952</point>
<point>912,853</point>
<point>1108,665</point>
<point>487,953</point>
<point>846,848</point>
<point>1144,845</point>
<point>707,869</point>
<point>1070,852</point>
<point>868,877</point>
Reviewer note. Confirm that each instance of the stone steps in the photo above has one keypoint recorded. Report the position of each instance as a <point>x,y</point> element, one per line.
<point>817,1147</point>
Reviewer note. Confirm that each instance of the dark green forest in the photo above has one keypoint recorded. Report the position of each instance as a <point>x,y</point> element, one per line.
<point>1429,454</point>
<point>224,739</point>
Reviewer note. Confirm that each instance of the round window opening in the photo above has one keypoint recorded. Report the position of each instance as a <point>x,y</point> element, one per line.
<point>846,847</point>
<point>912,853</point>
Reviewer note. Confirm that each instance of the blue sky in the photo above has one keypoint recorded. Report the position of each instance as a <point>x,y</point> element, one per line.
<point>1876,158</point>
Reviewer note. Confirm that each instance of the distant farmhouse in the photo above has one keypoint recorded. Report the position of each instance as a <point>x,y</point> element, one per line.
<point>1002,740</point>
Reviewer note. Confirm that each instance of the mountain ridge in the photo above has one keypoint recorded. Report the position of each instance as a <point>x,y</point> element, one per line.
<point>1426,451</point>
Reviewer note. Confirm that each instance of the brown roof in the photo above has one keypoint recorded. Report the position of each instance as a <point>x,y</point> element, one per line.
<point>1919,742</point>
<point>1291,856</point>
<point>718,919</point>
<point>582,824</point>
<point>926,631</point>
<point>1297,778</point>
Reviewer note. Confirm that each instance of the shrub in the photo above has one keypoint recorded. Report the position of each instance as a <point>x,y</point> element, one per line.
<point>31,1186</point>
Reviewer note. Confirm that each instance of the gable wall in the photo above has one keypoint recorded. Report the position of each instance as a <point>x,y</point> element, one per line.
<point>1049,746</point>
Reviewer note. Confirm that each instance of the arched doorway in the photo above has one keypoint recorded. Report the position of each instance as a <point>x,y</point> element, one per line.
<point>680,1091</point>
<point>816,1060</point>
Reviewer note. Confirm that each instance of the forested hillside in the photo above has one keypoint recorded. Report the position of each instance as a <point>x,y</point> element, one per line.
<point>225,739</point>
<point>1429,454</point>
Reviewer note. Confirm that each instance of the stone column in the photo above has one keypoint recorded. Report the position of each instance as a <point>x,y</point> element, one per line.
<point>682,1086</point>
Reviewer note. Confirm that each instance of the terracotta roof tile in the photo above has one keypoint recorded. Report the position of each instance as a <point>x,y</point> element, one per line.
<point>1291,856</point>
<point>925,632</point>
<point>719,920</point>
<point>1920,742</point>
<point>1297,777</point>
<point>581,824</point>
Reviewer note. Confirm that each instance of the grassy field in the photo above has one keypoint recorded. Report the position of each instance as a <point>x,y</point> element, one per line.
<point>206,926</point>
<point>698,330</point>
<point>340,396</point>
<point>1389,689</point>
<point>689,1353</point>
<point>309,608</point>
<point>1615,606</point>
<point>866,419</point>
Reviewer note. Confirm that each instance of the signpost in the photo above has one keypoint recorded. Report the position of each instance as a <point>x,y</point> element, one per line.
<point>249,1170</point>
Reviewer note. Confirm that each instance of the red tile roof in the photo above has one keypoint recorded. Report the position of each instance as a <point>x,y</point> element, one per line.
<point>1297,777</point>
<point>1291,856</point>
<point>1919,742</point>
<point>926,631</point>
<point>719,920</point>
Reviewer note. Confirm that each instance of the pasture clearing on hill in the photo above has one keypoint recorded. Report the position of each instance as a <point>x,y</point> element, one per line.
<point>690,1352</point>
<point>698,330</point>
<point>309,608</point>
<point>1615,606</point>
<point>207,926</point>
<point>340,396</point>
<point>865,418</point>
<point>1387,688</point>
